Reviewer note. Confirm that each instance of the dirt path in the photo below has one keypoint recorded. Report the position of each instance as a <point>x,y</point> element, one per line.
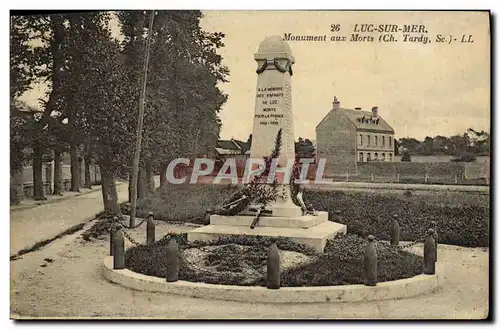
<point>72,286</point>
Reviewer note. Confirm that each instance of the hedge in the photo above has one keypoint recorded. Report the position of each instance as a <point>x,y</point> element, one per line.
<point>370,213</point>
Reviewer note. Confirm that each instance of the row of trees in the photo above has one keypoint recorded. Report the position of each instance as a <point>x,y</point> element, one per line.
<point>94,85</point>
<point>472,143</point>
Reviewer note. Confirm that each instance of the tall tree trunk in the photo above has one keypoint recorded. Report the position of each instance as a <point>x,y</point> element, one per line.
<point>150,179</point>
<point>109,194</point>
<point>75,169</point>
<point>38,193</point>
<point>141,183</point>
<point>88,180</point>
<point>16,187</point>
<point>130,188</point>
<point>163,175</point>
<point>57,172</point>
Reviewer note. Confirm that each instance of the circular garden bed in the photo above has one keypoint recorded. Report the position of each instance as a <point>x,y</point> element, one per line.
<point>241,260</point>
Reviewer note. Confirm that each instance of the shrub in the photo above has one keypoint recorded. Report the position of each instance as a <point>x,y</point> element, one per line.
<point>464,157</point>
<point>184,202</point>
<point>370,213</point>
<point>342,263</point>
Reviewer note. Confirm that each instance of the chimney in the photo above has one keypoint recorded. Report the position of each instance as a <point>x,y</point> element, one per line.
<point>375,111</point>
<point>336,103</point>
<point>358,108</point>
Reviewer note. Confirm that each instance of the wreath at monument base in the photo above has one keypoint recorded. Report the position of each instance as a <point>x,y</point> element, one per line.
<point>258,194</point>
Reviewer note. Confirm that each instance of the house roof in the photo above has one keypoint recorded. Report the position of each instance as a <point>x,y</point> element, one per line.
<point>369,123</point>
<point>228,145</point>
<point>233,146</point>
<point>244,146</point>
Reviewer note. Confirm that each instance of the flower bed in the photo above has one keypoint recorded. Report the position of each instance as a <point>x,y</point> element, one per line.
<point>242,261</point>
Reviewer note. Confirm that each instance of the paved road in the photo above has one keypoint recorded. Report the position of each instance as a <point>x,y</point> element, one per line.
<point>30,226</point>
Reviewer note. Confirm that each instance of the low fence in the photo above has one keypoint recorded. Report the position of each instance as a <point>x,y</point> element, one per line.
<point>452,173</point>
<point>175,255</point>
<point>48,178</point>
<point>182,171</point>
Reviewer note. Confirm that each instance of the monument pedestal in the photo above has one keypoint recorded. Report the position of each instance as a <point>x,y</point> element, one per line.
<point>310,230</point>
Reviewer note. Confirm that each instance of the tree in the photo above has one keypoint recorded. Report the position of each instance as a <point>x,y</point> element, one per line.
<point>426,148</point>
<point>97,101</point>
<point>405,155</point>
<point>182,96</point>
<point>304,148</point>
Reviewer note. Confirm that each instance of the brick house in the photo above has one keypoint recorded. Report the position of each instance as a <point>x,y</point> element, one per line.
<point>347,136</point>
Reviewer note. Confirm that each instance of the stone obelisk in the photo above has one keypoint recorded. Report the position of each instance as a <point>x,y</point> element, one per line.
<point>273,111</point>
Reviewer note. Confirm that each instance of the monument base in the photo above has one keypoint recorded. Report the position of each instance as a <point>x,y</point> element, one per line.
<point>310,230</point>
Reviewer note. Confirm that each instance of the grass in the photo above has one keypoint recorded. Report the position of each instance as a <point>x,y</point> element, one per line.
<point>342,262</point>
<point>43,243</point>
<point>185,203</point>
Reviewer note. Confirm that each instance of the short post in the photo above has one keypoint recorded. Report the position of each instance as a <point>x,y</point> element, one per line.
<point>395,231</point>
<point>456,178</point>
<point>273,267</point>
<point>370,263</point>
<point>434,227</point>
<point>118,250</point>
<point>426,178</point>
<point>206,219</point>
<point>429,253</point>
<point>150,229</point>
<point>397,177</point>
<point>372,177</point>
<point>172,260</point>
<point>347,177</point>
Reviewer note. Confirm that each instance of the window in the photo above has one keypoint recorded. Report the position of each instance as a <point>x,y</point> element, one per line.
<point>376,140</point>
<point>390,156</point>
<point>375,157</point>
<point>382,157</point>
<point>383,140</point>
<point>390,141</point>
<point>360,157</point>
<point>368,157</point>
<point>368,139</point>
<point>360,139</point>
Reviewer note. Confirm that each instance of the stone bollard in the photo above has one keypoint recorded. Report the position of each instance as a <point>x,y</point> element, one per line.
<point>118,250</point>
<point>273,267</point>
<point>434,227</point>
<point>395,231</point>
<point>370,263</point>
<point>172,260</point>
<point>150,229</point>
<point>206,219</point>
<point>430,253</point>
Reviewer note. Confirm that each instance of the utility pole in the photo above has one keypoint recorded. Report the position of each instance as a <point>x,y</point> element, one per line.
<point>140,120</point>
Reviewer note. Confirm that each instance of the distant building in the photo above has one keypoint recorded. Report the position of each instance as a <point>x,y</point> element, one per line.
<point>232,149</point>
<point>347,136</point>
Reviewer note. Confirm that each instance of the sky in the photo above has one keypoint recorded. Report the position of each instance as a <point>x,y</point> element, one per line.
<point>420,89</point>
